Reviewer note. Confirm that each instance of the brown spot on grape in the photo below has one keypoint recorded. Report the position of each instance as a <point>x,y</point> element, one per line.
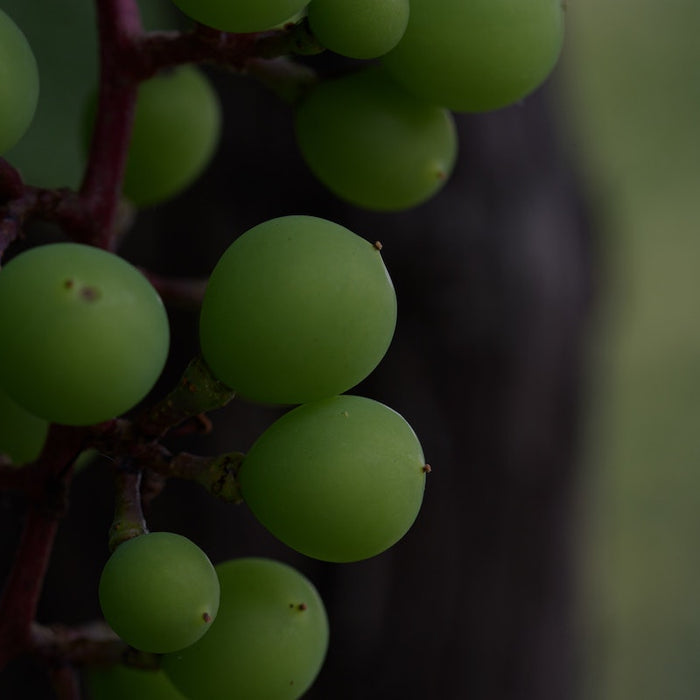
<point>301,606</point>
<point>68,284</point>
<point>206,617</point>
<point>427,469</point>
<point>378,245</point>
<point>89,293</point>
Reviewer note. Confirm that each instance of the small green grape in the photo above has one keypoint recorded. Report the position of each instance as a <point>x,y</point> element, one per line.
<point>297,308</point>
<point>374,144</point>
<point>85,335</point>
<point>176,131</point>
<point>19,83</point>
<point>267,643</point>
<point>22,435</point>
<point>159,592</point>
<point>478,55</point>
<point>123,683</point>
<point>359,29</point>
<point>340,479</point>
<point>242,15</point>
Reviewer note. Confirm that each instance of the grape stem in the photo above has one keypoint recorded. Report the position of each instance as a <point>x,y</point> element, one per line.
<point>128,514</point>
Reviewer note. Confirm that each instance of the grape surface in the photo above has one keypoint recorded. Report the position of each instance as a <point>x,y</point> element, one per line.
<point>85,335</point>
<point>478,55</point>
<point>340,479</point>
<point>242,16</point>
<point>22,435</point>
<point>360,29</point>
<point>374,144</point>
<point>297,308</point>
<point>19,83</point>
<point>159,592</point>
<point>124,683</point>
<point>268,641</point>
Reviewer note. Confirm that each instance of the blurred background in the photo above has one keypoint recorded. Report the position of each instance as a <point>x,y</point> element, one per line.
<point>548,355</point>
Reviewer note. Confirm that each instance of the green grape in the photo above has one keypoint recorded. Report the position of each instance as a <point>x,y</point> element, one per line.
<point>478,55</point>
<point>374,144</point>
<point>123,683</point>
<point>267,643</point>
<point>19,83</point>
<point>85,335</point>
<point>297,308</point>
<point>340,479</point>
<point>359,29</point>
<point>242,15</point>
<point>176,131</point>
<point>22,435</point>
<point>159,592</point>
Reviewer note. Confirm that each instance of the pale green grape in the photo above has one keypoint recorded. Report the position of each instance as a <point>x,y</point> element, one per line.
<point>359,29</point>
<point>159,592</point>
<point>340,479</point>
<point>22,435</point>
<point>267,643</point>
<point>84,334</point>
<point>478,55</point>
<point>19,83</point>
<point>297,308</point>
<point>123,683</point>
<point>176,131</point>
<point>241,15</point>
<point>374,144</point>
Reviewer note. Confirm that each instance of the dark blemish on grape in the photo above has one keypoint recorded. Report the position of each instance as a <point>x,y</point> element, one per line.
<point>68,284</point>
<point>89,293</point>
<point>427,469</point>
<point>301,606</point>
<point>206,617</point>
<point>378,245</point>
<point>441,175</point>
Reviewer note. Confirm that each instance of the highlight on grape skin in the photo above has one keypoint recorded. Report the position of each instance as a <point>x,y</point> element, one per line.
<point>19,86</point>
<point>298,308</point>
<point>268,641</point>
<point>339,479</point>
<point>98,337</point>
<point>159,592</point>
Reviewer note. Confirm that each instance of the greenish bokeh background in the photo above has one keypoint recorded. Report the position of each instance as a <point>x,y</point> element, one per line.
<point>631,91</point>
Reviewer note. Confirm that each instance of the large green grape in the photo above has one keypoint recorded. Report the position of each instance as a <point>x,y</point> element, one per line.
<point>478,55</point>
<point>176,131</point>
<point>159,592</point>
<point>374,144</point>
<point>123,683</point>
<point>340,479</point>
<point>241,15</point>
<point>267,643</point>
<point>22,435</point>
<point>19,83</point>
<point>84,334</point>
<point>359,29</point>
<point>297,308</point>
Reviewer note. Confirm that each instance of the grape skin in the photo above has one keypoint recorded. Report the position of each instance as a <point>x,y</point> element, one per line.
<point>85,335</point>
<point>362,29</point>
<point>124,683</point>
<point>22,435</point>
<point>268,642</point>
<point>19,83</point>
<point>374,144</point>
<point>159,592</point>
<point>479,55</point>
<point>340,479</point>
<point>297,308</point>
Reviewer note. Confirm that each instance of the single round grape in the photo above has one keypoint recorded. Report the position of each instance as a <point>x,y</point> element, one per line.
<point>85,335</point>
<point>22,435</point>
<point>242,15</point>
<point>374,144</point>
<point>359,29</point>
<point>159,592</point>
<point>268,641</point>
<point>478,55</point>
<point>176,131</point>
<point>297,308</point>
<point>340,479</point>
<point>124,683</point>
<point>19,83</point>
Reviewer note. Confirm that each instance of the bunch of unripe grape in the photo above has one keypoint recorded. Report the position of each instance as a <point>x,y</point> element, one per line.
<point>297,312</point>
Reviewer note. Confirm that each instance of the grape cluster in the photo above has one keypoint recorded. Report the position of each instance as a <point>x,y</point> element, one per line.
<point>297,312</point>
